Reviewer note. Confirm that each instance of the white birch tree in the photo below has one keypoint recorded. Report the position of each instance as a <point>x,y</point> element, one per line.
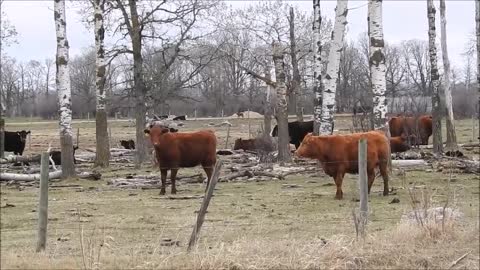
<point>451,135</point>
<point>330,80</point>
<point>63,89</point>
<point>377,64</point>
<point>435,78</point>
<point>282,109</point>
<point>317,65</point>
<point>102,143</point>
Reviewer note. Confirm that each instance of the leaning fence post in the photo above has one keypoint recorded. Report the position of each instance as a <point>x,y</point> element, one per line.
<point>473,128</point>
<point>228,136</point>
<point>195,115</point>
<point>249,125</point>
<point>363,182</point>
<point>203,208</point>
<point>43,203</point>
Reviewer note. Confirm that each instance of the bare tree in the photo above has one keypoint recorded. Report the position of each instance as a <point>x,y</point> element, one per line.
<point>477,24</point>
<point>282,109</point>
<point>317,69</point>
<point>435,77</point>
<point>328,99</point>
<point>296,79</point>
<point>418,66</point>
<point>451,135</point>
<point>101,126</point>
<point>377,64</point>
<point>63,89</point>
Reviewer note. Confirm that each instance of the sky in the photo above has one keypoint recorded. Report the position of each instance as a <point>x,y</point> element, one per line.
<point>403,20</point>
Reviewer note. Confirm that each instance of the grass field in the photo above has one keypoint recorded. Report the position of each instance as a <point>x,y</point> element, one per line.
<point>248,224</point>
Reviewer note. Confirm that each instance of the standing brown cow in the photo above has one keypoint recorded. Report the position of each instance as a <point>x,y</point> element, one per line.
<point>182,150</point>
<point>338,155</point>
<point>420,126</point>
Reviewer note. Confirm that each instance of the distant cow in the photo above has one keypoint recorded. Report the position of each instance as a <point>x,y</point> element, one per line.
<point>338,155</point>
<point>127,144</point>
<point>57,156</point>
<point>182,150</point>
<point>420,126</point>
<point>180,118</point>
<point>15,141</point>
<point>239,114</point>
<point>296,131</point>
<point>399,144</point>
<point>256,144</point>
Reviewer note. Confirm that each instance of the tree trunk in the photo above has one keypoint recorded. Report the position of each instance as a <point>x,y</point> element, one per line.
<point>328,105</point>
<point>451,135</point>
<point>477,22</point>
<point>64,91</point>
<point>282,106</point>
<point>267,116</point>
<point>2,105</point>
<point>296,80</point>
<point>435,79</point>
<point>377,64</point>
<point>101,126</point>
<point>139,84</point>
<point>317,66</point>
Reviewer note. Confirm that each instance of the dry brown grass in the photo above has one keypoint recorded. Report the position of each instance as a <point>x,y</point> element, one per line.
<point>404,247</point>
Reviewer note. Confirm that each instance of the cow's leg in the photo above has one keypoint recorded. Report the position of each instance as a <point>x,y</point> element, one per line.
<point>338,183</point>
<point>173,175</point>
<point>384,172</point>
<point>209,172</point>
<point>163,175</point>
<point>371,178</point>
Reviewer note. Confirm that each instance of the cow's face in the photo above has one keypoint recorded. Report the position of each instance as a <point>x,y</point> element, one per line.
<point>238,144</point>
<point>306,148</point>
<point>155,133</point>
<point>23,135</point>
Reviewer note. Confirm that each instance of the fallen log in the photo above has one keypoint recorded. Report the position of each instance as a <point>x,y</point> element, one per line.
<point>28,177</point>
<point>235,175</point>
<point>468,145</point>
<point>409,163</point>
<point>15,159</point>
<point>272,175</point>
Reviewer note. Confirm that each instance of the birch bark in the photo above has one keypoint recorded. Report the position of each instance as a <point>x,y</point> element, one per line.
<point>477,23</point>
<point>330,80</point>
<point>317,66</point>
<point>63,89</point>
<point>101,126</point>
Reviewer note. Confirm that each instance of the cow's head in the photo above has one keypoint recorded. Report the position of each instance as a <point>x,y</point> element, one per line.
<point>307,148</point>
<point>238,144</point>
<point>156,132</point>
<point>23,135</point>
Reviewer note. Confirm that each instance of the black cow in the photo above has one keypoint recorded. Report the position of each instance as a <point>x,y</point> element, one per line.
<point>296,131</point>
<point>57,156</point>
<point>127,144</point>
<point>363,109</point>
<point>15,141</point>
<point>180,117</point>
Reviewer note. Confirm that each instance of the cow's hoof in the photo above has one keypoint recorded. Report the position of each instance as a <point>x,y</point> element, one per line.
<point>174,191</point>
<point>385,193</point>
<point>162,192</point>
<point>338,197</point>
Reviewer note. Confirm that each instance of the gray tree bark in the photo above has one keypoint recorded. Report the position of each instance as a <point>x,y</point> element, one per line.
<point>267,116</point>
<point>435,78</point>
<point>64,90</point>
<point>451,134</point>
<point>101,126</point>
<point>477,23</point>
<point>296,80</point>
<point>317,66</point>
<point>282,106</point>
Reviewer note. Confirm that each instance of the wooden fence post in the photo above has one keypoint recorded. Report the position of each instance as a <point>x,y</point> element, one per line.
<point>228,136</point>
<point>363,181</point>
<point>88,116</point>
<point>110,136</point>
<point>473,128</point>
<point>203,208</point>
<point>43,203</point>
<point>195,114</point>
<point>249,125</point>
<point>78,136</point>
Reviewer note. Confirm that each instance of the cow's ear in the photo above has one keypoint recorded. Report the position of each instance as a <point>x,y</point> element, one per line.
<point>28,132</point>
<point>146,131</point>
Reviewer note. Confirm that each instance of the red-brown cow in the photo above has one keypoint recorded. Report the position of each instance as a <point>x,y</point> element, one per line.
<point>338,155</point>
<point>399,144</point>
<point>421,127</point>
<point>182,150</point>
